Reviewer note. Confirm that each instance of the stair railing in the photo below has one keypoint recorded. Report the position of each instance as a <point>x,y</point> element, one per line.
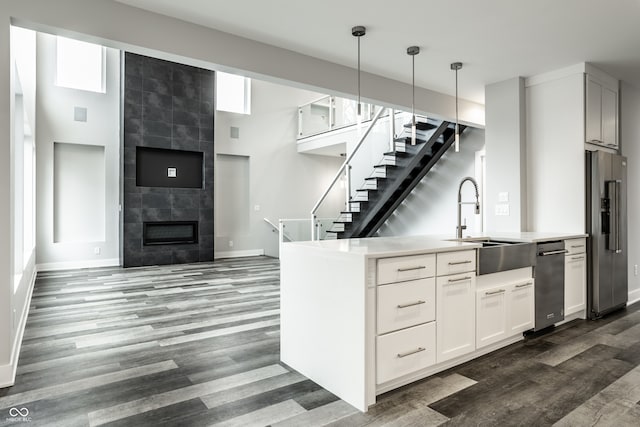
<point>345,166</point>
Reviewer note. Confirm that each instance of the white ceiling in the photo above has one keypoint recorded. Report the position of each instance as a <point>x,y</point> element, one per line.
<point>495,39</point>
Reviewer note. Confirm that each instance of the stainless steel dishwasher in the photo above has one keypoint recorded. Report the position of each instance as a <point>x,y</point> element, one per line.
<point>549,287</point>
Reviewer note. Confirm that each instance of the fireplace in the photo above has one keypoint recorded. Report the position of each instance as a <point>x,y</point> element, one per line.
<point>169,232</point>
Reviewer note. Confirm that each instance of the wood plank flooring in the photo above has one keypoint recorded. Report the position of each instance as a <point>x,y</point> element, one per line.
<point>198,345</point>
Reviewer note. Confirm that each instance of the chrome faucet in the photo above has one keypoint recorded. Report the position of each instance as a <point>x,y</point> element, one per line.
<point>461,227</point>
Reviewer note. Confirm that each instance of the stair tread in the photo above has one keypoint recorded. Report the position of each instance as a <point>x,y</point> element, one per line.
<point>371,178</point>
<point>396,153</point>
<point>421,125</point>
<point>367,189</point>
<point>407,140</point>
<point>385,165</point>
<point>348,212</point>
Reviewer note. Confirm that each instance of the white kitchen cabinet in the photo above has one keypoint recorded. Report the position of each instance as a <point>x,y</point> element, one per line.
<point>575,276</point>
<point>521,307</point>
<point>456,262</point>
<point>504,311</point>
<point>399,269</point>
<point>405,304</point>
<point>455,316</point>
<point>491,316</point>
<point>403,352</point>
<point>601,120</point>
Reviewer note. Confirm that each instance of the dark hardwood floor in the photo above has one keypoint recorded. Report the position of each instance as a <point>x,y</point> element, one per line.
<point>198,345</point>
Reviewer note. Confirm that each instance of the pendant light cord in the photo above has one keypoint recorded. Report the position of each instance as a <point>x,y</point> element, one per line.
<point>359,104</point>
<point>413,88</point>
<point>457,130</point>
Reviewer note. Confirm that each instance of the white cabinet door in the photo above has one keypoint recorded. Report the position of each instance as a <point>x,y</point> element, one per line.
<point>609,117</point>
<point>521,302</point>
<point>594,111</point>
<point>491,316</point>
<point>455,315</point>
<point>575,279</point>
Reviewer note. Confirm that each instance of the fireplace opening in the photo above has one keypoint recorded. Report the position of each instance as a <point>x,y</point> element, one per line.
<point>169,232</point>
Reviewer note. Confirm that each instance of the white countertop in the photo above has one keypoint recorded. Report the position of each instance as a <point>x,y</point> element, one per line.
<point>528,236</point>
<point>375,247</point>
<point>389,246</point>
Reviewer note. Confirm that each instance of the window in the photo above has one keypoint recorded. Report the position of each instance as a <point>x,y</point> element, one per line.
<point>80,65</point>
<point>233,93</point>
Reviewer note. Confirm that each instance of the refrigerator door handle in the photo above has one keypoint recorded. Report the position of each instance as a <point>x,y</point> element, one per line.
<point>614,219</point>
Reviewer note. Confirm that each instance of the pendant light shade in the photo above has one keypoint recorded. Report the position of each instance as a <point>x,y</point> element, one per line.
<point>456,66</point>
<point>413,51</point>
<point>358,31</point>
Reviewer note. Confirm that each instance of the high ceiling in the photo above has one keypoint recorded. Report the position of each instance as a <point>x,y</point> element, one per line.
<point>495,39</point>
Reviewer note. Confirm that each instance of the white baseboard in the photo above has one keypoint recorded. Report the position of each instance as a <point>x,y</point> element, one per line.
<point>634,296</point>
<point>238,254</point>
<point>8,372</point>
<point>71,265</point>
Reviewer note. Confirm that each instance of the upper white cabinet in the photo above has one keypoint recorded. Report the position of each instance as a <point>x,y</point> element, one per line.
<point>564,110</point>
<point>601,121</point>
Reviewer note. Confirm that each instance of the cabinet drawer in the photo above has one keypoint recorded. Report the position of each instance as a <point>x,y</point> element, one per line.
<point>406,351</point>
<point>405,304</point>
<point>456,262</point>
<point>575,246</point>
<point>400,269</point>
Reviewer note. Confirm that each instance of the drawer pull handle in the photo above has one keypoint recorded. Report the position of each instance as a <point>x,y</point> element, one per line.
<point>460,262</point>
<point>460,279</point>
<point>419,267</point>
<point>577,246</point>
<point>578,257</point>
<point>411,304</point>
<point>522,285</point>
<point>499,291</point>
<point>409,353</point>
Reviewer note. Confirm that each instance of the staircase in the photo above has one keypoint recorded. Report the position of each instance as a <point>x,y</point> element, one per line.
<point>394,178</point>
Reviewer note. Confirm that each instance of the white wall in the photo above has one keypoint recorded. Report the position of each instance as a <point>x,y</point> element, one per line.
<point>282,182</point>
<point>56,124</point>
<point>506,155</point>
<point>630,144</point>
<point>16,257</point>
<point>431,208</point>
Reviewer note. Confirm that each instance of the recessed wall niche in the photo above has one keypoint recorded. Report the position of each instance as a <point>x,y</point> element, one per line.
<point>168,109</point>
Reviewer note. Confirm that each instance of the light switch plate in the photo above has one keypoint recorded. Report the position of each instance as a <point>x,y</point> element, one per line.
<point>502,209</point>
<point>172,172</point>
<point>503,196</point>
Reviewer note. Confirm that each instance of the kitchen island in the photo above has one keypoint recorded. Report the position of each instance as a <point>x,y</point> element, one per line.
<point>364,316</point>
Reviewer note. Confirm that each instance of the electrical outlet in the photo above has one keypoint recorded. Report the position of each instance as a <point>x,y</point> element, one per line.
<point>256,208</point>
<point>230,243</point>
<point>96,250</point>
<point>635,269</point>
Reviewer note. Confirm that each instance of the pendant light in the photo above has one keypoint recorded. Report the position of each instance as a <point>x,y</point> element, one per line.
<point>456,66</point>
<point>413,51</point>
<point>358,31</point>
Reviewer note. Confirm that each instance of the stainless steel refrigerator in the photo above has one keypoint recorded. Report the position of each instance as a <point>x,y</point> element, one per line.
<point>606,186</point>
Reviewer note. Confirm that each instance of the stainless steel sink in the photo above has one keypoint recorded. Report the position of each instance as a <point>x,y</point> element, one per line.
<point>496,255</point>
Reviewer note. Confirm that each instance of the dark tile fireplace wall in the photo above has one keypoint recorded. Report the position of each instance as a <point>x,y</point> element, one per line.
<point>166,105</point>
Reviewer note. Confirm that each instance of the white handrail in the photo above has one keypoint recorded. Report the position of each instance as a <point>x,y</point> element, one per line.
<point>276,228</point>
<point>342,168</point>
